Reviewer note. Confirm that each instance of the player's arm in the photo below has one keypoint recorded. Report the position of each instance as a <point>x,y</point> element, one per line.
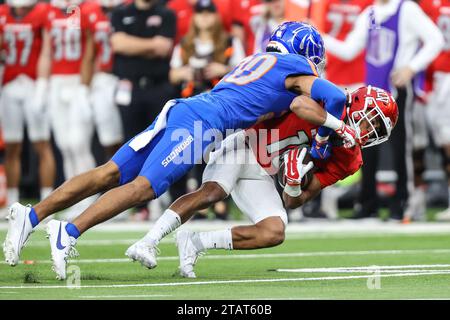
<point>88,61</point>
<point>129,45</point>
<point>43,73</point>
<point>45,57</point>
<point>309,193</point>
<point>333,100</point>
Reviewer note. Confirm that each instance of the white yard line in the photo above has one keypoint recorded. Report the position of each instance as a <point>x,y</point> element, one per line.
<point>128,296</point>
<point>272,255</point>
<point>364,227</point>
<point>394,269</point>
<point>196,283</point>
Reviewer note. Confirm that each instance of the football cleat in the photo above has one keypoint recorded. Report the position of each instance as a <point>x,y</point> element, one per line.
<point>144,253</point>
<point>62,247</point>
<point>19,231</point>
<point>443,215</point>
<point>189,250</point>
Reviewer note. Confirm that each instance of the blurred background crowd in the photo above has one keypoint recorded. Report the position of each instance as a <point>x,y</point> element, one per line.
<point>82,77</point>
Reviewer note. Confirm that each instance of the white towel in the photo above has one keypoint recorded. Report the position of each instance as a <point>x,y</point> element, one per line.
<point>144,138</point>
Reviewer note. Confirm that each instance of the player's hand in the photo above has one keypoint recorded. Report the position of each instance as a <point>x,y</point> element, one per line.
<point>348,134</point>
<point>401,77</point>
<point>40,96</point>
<point>215,70</point>
<point>295,169</point>
<point>320,149</point>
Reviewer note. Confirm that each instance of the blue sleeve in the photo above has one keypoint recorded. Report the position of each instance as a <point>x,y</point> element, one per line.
<point>333,99</point>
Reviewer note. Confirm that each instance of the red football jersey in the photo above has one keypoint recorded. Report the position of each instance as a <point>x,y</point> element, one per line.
<point>340,17</point>
<point>22,40</point>
<point>100,26</point>
<point>439,12</point>
<point>273,137</point>
<point>67,31</point>
<point>242,13</point>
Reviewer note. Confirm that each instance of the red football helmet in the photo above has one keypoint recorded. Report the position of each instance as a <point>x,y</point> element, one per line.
<point>378,108</point>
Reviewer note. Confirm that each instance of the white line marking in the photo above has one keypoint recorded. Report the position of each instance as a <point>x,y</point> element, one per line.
<point>195,283</point>
<point>272,255</point>
<point>128,296</point>
<point>394,269</point>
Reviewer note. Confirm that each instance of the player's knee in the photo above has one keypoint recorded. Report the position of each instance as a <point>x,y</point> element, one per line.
<point>212,192</point>
<point>271,232</point>
<point>141,190</point>
<point>108,174</point>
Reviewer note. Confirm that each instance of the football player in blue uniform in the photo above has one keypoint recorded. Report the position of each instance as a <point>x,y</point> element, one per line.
<point>262,86</point>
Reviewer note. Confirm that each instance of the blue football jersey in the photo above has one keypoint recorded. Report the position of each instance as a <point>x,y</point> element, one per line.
<point>253,90</point>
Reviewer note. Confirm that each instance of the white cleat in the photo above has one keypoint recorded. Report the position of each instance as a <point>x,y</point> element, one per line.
<point>443,215</point>
<point>62,247</point>
<point>189,250</point>
<point>19,231</point>
<point>144,253</point>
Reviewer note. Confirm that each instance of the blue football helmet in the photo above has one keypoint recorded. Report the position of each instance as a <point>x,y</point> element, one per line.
<point>299,38</point>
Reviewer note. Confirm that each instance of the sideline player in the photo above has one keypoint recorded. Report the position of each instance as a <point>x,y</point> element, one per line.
<point>21,31</point>
<point>243,166</point>
<point>98,84</point>
<point>58,87</point>
<point>260,87</point>
<point>59,74</point>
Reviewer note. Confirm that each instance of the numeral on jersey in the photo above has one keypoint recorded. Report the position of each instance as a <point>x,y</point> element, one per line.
<point>103,38</point>
<point>67,44</point>
<point>337,20</point>
<point>12,38</point>
<point>278,146</point>
<point>251,69</point>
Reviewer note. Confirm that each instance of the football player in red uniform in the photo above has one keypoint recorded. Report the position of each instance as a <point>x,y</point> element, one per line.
<point>340,16</point>
<point>98,83</point>
<point>59,72</point>
<point>436,112</point>
<point>21,30</point>
<point>243,166</point>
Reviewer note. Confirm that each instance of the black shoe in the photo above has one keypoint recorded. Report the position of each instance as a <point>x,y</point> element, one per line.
<point>362,213</point>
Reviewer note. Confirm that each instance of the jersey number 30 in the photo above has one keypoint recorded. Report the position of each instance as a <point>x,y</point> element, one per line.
<point>251,69</point>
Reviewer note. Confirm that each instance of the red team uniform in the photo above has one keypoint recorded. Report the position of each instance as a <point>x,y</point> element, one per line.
<point>71,121</point>
<point>104,83</point>
<point>340,17</point>
<point>438,74</point>
<point>292,131</point>
<point>21,43</point>
<point>246,161</point>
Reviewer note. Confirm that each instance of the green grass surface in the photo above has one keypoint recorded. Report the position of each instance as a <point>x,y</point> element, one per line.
<point>125,280</point>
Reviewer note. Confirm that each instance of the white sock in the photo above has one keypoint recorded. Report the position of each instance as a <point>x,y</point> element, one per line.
<point>168,222</point>
<point>12,195</point>
<point>220,239</point>
<point>45,192</point>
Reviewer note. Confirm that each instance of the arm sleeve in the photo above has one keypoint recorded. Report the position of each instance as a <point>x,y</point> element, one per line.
<point>429,34</point>
<point>169,25</point>
<point>333,99</point>
<point>116,21</point>
<point>355,41</point>
<point>342,164</point>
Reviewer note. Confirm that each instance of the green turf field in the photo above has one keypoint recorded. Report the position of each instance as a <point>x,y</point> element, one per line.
<point>410,266</point>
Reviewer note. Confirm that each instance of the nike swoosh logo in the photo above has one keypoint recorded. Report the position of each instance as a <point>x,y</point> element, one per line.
<point>58,240</point>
